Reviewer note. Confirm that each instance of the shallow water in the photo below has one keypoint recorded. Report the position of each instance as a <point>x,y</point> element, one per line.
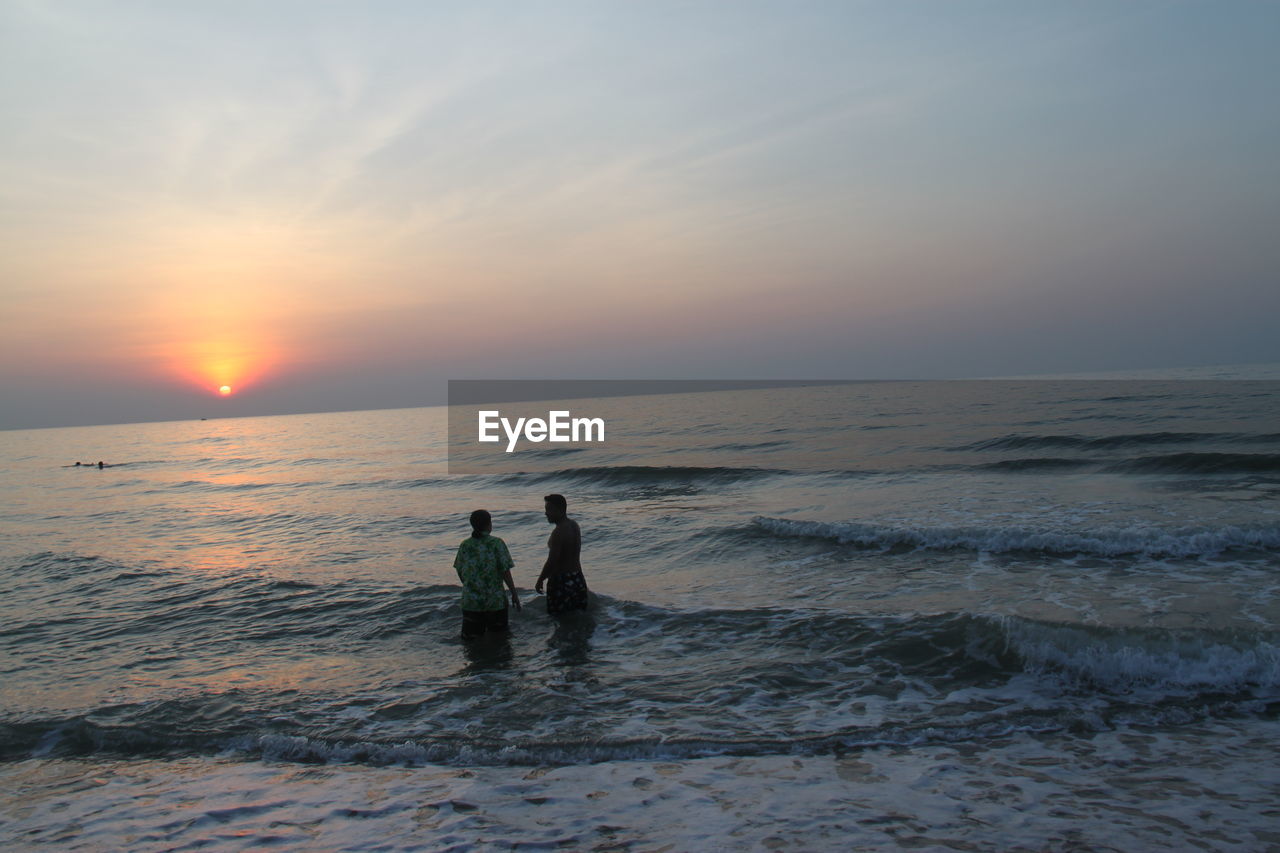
<point>981,613</point>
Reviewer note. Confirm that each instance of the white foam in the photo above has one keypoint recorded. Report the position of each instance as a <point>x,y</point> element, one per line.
<point>1125,661</point>
<point>1107,790</point>
<point>1106,542</point>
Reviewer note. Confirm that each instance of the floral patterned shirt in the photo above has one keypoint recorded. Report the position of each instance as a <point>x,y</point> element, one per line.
<point>481,564</point>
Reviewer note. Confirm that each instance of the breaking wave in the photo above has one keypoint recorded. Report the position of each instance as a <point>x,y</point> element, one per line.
<point>1104,542</point>
<point>1022,441</point>
<point>753,682</point>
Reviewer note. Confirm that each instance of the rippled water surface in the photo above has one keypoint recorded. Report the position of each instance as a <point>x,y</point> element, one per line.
<point>824,575</point>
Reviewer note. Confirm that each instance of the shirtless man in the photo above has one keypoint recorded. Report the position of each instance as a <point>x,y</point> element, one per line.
<point>562,572</point>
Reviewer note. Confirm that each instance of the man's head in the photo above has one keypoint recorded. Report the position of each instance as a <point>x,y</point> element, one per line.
<point>556,507</point>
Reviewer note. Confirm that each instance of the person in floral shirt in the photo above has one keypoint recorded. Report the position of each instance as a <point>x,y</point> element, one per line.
<point>484,564</point>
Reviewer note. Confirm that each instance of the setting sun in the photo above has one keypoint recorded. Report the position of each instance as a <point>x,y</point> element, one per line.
<point>222,363</point>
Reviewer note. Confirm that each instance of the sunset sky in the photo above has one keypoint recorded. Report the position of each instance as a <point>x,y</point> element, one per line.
<point>341,205</point>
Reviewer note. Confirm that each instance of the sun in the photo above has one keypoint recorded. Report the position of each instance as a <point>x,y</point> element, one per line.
<point>225,390</point>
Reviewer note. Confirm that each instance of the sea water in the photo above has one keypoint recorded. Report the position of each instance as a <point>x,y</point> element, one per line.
<point>978,615</point>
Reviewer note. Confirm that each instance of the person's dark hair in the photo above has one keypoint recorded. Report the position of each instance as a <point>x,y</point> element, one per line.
<point>557,501</point>
<point>480,521</point>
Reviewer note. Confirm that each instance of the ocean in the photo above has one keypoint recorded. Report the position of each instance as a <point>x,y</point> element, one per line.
<point>1005,615</point>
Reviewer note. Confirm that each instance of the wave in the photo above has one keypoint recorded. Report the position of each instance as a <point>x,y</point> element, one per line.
<point>1200,463</point>
<point>1131,661</point>
<point>80,737</point>
<point>644,475</point>
<point>133,606</point>
<point>549,452</point>
<point>1184,542</point>
<point>207,486</point>
<point>1036,464</point>
<point>605,475</point>
<point>419,483</point>
<point>749,682</point>
<point>235,463</point>
<point>1171,463</point>
<point>756,445</point>
<point>1022,441</point>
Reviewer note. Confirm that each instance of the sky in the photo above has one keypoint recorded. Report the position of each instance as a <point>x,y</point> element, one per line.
<point>329,206</point>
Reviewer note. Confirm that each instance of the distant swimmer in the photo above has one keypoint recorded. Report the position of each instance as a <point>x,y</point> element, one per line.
<point>484,565</point>
<point>562,573</point>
